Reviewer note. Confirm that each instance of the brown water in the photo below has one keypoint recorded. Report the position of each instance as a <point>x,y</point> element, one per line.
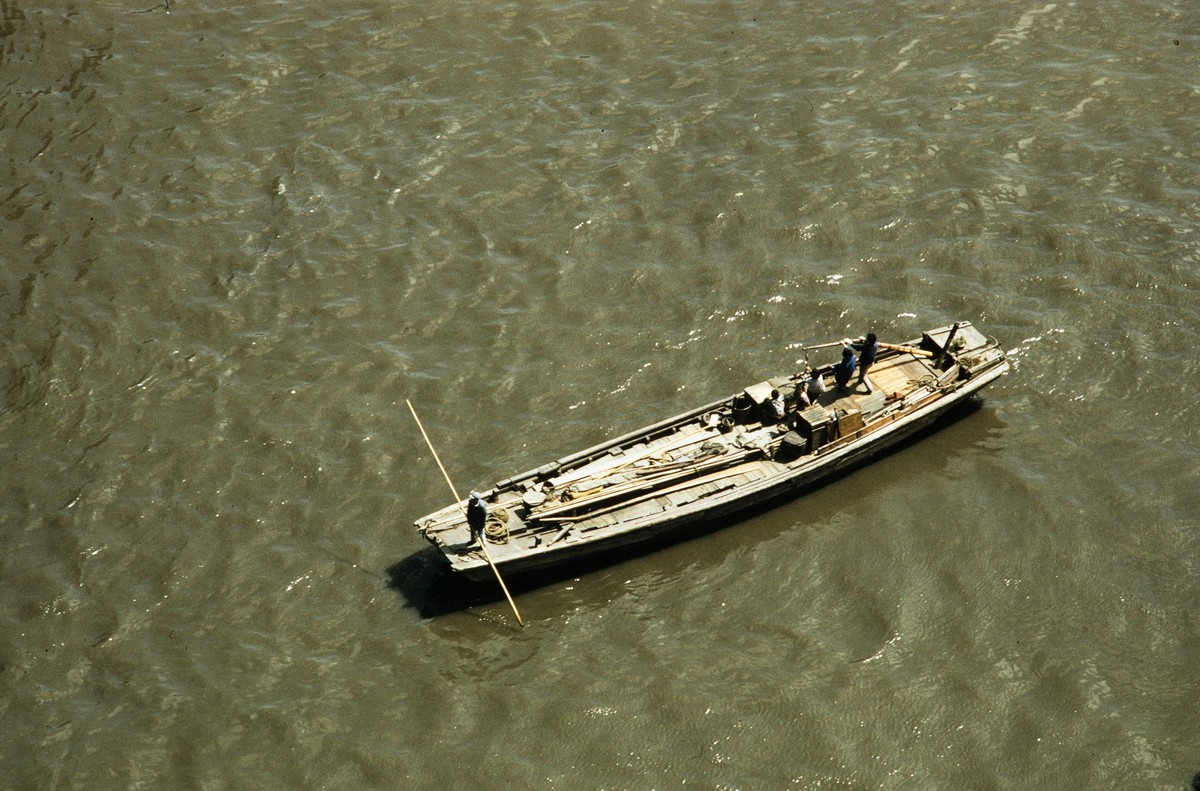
<point>234,241</point>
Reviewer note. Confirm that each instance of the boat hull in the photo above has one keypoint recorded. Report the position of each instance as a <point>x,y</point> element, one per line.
<point>657,484</point>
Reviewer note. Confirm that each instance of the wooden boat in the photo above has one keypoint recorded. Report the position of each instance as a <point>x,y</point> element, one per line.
<point>716,460</point>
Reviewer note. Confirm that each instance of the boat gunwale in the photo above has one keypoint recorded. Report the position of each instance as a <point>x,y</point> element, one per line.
<point>792,476</point>
<point>951,387</point>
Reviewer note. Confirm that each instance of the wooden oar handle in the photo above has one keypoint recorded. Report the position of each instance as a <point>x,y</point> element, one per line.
<point>893,346</point>
<point>910,349</point>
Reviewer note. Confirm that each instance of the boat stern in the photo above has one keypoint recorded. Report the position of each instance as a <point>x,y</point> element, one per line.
<point>963,347</point>
<point>448,532</point>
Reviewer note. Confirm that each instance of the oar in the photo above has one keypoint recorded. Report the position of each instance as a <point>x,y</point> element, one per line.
<point>893,346</point>
<point>829,345</point>
<point>896,347</point>
<point>458,500</point>
<point>718,475</point>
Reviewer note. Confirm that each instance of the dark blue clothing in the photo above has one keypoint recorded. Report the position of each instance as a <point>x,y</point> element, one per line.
<point>476,517</point>
<point>844,370</point>
<point>869,352</point>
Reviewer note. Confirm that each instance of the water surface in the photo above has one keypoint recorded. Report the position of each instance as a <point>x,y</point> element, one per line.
<point>235,240</point>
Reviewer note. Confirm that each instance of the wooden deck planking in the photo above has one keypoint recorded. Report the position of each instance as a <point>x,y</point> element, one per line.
<point>895,375</point>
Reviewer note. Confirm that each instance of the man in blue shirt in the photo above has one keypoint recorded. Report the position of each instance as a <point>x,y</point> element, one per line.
<point>845,369</point>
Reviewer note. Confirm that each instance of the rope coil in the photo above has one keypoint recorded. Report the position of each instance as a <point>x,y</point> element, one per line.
<point>496,526</point>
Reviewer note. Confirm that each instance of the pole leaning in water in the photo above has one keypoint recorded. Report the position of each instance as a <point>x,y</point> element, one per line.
<point>482,538</point>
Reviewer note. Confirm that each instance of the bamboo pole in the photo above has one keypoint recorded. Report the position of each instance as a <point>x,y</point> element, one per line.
<point>710,478</point>
<point>829,345</point>
<point>482,537</point>
<point>896,347</point>
<point>621,463</point>
<point>649,484</point>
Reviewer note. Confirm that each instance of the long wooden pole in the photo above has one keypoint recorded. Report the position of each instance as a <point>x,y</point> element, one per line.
<point>893,346</point>
<point>896,347</point>
<point>482,537</point>
<point>829,345</point>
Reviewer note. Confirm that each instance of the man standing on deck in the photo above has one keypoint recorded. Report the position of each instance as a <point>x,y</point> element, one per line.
<point>476,517</point>
<point>868,350</point>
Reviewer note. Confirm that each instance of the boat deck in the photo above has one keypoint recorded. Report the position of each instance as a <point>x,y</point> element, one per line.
<point>711,460</point>
<point>679,467</point>
<point>898,374</point>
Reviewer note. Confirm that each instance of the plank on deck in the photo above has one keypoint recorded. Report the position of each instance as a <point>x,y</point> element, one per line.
<point>894,376</point>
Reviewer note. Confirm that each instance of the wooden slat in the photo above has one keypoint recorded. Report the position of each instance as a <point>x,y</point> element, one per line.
<point>895,375</point>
